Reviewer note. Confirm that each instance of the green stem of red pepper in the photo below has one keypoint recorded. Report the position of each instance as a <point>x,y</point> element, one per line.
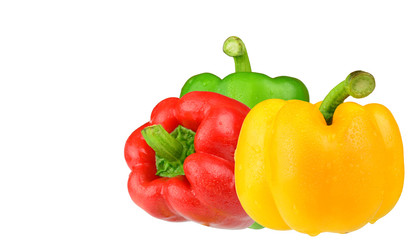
<point>358,84</point>
<point>163,143</point>
<point>234,47</point>
<point>171,149</point>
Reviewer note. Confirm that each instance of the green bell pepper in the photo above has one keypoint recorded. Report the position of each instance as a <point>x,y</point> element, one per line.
<point>245,86</point>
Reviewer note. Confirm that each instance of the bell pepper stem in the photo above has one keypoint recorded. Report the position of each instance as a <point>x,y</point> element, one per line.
<point>163,143</point>
<point>234,47</point>
<point>358,84</point>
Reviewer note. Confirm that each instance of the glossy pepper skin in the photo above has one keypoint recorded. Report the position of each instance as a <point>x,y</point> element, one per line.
<point>245,86</point>
<point>294,171</point>
<point>206,193</point>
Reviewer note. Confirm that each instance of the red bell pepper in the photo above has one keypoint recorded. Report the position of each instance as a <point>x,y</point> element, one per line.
<point>199,180</point>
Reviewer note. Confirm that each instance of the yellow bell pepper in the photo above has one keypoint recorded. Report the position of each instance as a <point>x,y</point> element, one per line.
<point>328,167</point>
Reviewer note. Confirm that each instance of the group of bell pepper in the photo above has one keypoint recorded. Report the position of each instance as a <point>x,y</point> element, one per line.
<point>251,151</point>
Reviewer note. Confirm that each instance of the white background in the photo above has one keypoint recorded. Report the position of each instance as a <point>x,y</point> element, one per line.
<point>77,77</point>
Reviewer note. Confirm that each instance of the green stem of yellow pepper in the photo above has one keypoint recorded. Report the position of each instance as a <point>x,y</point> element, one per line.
<point>234,47</point>
<point>358,84</point>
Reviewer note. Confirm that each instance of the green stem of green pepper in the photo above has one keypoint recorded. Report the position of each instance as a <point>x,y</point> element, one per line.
<point>358,84</point>
<point>234,47</point>
<point>164,145</point>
